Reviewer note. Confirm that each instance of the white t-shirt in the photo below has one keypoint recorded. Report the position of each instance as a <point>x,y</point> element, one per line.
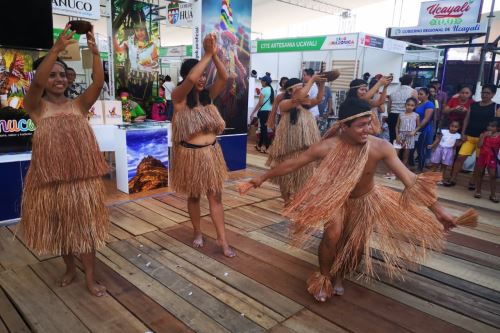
<point>449,139</point>
<point>169,87</point>
<point>398,98</point>
<point>312,95</point>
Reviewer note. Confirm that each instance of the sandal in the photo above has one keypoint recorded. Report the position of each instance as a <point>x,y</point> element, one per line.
<point>494,199</point>
<point>471,187</point>
<point>449,183</point>
<point>477,195</point>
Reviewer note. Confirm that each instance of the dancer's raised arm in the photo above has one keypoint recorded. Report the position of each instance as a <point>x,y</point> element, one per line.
<point>34,96</point>
<point>180,93</point>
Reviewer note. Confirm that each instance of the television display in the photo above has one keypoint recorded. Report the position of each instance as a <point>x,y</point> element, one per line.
<point>27,24</point>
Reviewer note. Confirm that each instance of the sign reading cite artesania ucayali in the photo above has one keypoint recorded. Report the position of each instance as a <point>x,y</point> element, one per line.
<point>448,17</point>
<point>333,42</point>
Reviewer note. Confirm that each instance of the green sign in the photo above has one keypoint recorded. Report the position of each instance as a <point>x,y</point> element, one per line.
<point>104,55</point>
<point>56,32</point>
<point>290,44</point>
<point>176,51</point>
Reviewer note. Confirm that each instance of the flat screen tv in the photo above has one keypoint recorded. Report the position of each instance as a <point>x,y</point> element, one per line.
<point>26,24</point>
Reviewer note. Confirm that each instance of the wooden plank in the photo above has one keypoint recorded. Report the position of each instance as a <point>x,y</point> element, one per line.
<point>147,215</point>
<point>250,219</point>
<point>19,235</point>
<point>224,315</point>
<point>42,309</point>
<point>474,243</point>
<point>454,299</point>
<point>3,328</point>
<point>478,234</point>
<point>240,302</point>
<point>307,321</point>
<point>264,295</point>
<point>129,222</point>
<point>118,232</point>
<point>338,310</point>
<point>281,329</point>
<point>274,205</point>
<point>247,198</point>
<point>102,314</point>
<point>414,301</point>
<point>163,209</point>
<point>180,204</point>
<point>468,254</point>
<point>10,316</point>
<point>148,311</point>
<point>188,314</point>
<point>263,192</point>
<point>358,298</point>
<point>470,324</point>
<point>13,252</point>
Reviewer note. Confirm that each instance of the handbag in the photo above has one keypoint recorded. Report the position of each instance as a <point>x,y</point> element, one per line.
<point>255,120</point>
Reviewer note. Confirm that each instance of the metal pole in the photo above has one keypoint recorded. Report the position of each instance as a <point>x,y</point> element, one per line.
<point>484,48</point>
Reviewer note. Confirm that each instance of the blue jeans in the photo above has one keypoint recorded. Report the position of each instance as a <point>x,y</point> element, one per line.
<point>423,152</point>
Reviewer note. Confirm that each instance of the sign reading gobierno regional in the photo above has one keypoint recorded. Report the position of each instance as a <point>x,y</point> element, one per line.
<point>446,18</point>
<point>334,42</point>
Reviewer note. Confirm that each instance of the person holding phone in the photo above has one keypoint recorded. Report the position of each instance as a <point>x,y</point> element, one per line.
<point>63,210</point>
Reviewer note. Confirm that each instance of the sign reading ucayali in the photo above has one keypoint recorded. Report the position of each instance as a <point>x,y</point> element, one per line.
<point>450,17</point>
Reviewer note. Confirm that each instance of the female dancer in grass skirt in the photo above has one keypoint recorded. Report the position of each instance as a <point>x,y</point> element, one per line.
<point>63,211</point>
<point>198,167</point>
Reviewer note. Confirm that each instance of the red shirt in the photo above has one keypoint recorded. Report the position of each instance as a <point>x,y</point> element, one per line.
<point>458,116</point>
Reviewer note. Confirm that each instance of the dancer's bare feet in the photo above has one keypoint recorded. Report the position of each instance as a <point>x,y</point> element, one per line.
<point>96,289</point>
<point>68,277</point>
<point>321,295</point>
<point>198,240</point>
<point>338,287</point>
<point>320,286</point>
<point>226,249</point>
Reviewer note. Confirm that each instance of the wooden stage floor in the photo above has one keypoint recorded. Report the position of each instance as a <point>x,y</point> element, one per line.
<point>158,283</point>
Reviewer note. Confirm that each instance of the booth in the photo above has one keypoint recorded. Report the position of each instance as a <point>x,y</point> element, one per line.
<point>352,54</point>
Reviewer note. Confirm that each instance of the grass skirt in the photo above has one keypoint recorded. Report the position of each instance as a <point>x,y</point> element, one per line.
<point>64,217</point>
<point>196,172</point>
<point>290,141</point>
<point>377,222</point>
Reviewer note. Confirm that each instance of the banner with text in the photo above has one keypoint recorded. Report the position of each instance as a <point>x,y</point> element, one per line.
<point>86,9</point>
<point>451,17</point>
<point>332,42</point>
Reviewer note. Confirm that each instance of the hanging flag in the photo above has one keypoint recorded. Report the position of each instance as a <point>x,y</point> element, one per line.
<point>226,16</point>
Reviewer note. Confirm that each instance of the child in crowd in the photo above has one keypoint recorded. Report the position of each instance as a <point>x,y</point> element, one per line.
<point>444,147</point>
<point>385,130</point>
<point>489,143</point>
<point>406,124</point>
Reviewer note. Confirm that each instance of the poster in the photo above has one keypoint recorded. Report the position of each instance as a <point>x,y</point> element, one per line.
<point>95,115</point>
<point>147,158</point>
<point>136,40</point>
<point>16,74</point>
<point>112,112</point>
<point>230,20</point>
